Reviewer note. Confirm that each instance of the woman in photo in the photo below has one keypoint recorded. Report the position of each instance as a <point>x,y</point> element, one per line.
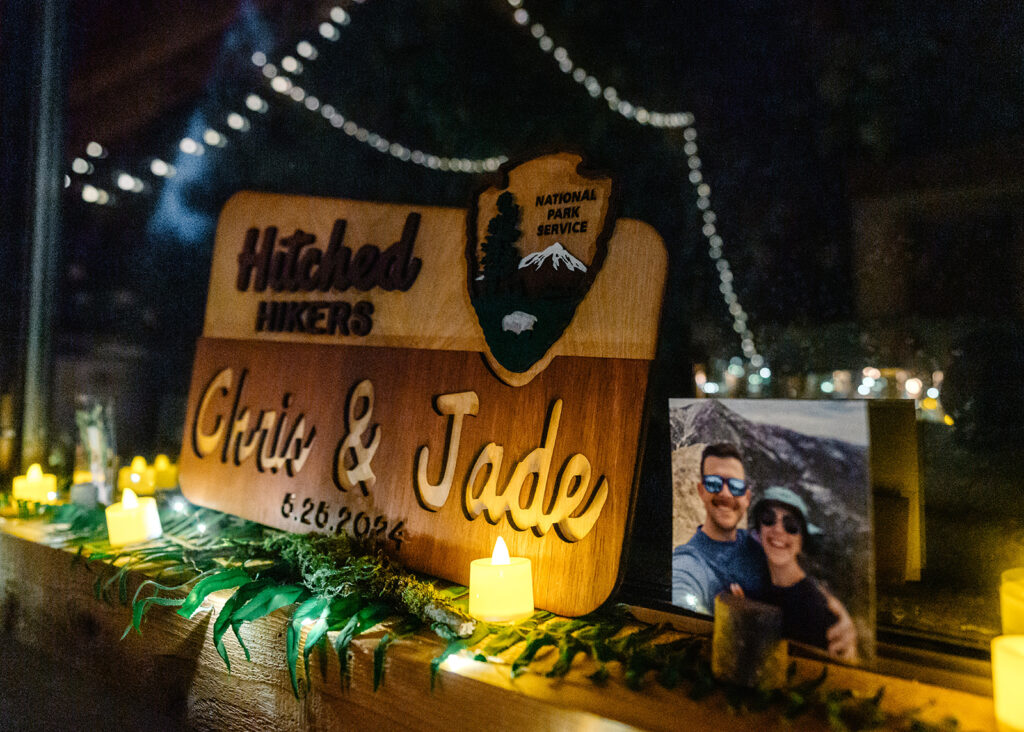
<point>780,520</point>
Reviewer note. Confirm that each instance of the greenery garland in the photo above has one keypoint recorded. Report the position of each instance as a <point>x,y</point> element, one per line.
<point>337,584</point>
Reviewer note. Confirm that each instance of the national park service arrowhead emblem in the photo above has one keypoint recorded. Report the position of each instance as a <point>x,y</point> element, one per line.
<point>535,245</point>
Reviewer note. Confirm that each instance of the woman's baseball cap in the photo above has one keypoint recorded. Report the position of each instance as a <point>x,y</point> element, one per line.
<point>785,497</point>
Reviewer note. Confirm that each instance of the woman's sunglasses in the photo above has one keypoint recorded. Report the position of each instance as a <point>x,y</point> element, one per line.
<point>789,523</point>
<point>715,483</point>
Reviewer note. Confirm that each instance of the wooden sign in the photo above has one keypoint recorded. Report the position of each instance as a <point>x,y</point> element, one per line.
<point>347,378</point>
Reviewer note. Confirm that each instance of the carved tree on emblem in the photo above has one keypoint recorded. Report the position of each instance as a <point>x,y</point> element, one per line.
<point>500,255</point>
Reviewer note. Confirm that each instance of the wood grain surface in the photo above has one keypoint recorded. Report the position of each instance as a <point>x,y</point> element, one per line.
<point>618,319</point>
<point>600,406</point>
<point>70,671</point>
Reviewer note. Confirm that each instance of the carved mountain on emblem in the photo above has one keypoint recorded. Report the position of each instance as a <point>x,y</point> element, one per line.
<point>554,257</point>
<point>551,272</point>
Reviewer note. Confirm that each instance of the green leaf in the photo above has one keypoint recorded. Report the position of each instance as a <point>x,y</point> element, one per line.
<point>378,659</point>
<point>241,596</point>
<point>139,609</point>
<point>311,609</point>
<point>456,646</point>
<point>568,648</point>
<point>343,608</point>
<point>360,621</point>
<point>535,643</point>
<point>454,592</point>
<point>267,600</point>
<point>218,581</point>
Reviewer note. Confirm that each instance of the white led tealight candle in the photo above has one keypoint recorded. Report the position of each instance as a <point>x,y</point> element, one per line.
<point>501,587</point>
<point>132,520</point>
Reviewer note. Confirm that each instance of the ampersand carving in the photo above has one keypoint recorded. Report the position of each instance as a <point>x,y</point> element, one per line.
<point>352,458</point>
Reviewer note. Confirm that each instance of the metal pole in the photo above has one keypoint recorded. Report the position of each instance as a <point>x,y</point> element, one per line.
<point>44,229</point>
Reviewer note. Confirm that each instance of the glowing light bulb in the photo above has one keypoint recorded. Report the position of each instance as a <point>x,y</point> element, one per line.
<point>213,138</point>
<point>255,103</point>
<point>190,146</point>
<point>129,499</point>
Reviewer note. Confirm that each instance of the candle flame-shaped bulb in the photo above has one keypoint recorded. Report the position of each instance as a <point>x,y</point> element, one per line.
<point>162,462</point>
<point>138,464</point>
<point>35,472</point>
<point>500,553</point>
<point>129,499</point>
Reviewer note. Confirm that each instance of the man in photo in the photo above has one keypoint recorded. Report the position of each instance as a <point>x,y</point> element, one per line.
<point>720,555</point>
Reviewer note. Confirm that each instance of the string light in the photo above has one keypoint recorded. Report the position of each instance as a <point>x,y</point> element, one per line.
<point>287,88</point>
<point>161,169</point>
<point>665,120</point>
<point>329,113</point>
<point>128,182</point>
<point>81,166</point>
<point>190,146</point>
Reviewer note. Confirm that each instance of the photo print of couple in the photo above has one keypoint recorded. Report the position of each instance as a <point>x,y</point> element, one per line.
<point>771,500</point>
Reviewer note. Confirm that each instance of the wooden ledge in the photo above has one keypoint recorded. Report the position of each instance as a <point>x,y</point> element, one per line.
<point>72,671</point>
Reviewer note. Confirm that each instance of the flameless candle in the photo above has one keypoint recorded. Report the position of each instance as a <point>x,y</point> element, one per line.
<point>1007,682</point>
<point>165,472</point>
<point>138,476</point>
<point>132,520</point>
<point>501,588</point>
<point>36,486</point>
<point>1011,601</point>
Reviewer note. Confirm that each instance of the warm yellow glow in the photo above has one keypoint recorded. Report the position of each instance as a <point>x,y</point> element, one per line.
<point>1007,682</point>
<point>81,476</point>
<point>1011,601</point>
<point>36,486</point>
<point>948,420</point>
<point>500,553</point>
<point>929,403</point>
<point>132,520</point>
<point>139,476</point>
<point>165,473</point>
<point>501,587</point>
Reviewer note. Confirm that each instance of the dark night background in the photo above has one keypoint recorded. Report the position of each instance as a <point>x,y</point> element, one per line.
<point>811,117</point>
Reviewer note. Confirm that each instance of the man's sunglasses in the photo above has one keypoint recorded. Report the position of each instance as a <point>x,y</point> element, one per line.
<point>715,483</point>
<point>789,523</point>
